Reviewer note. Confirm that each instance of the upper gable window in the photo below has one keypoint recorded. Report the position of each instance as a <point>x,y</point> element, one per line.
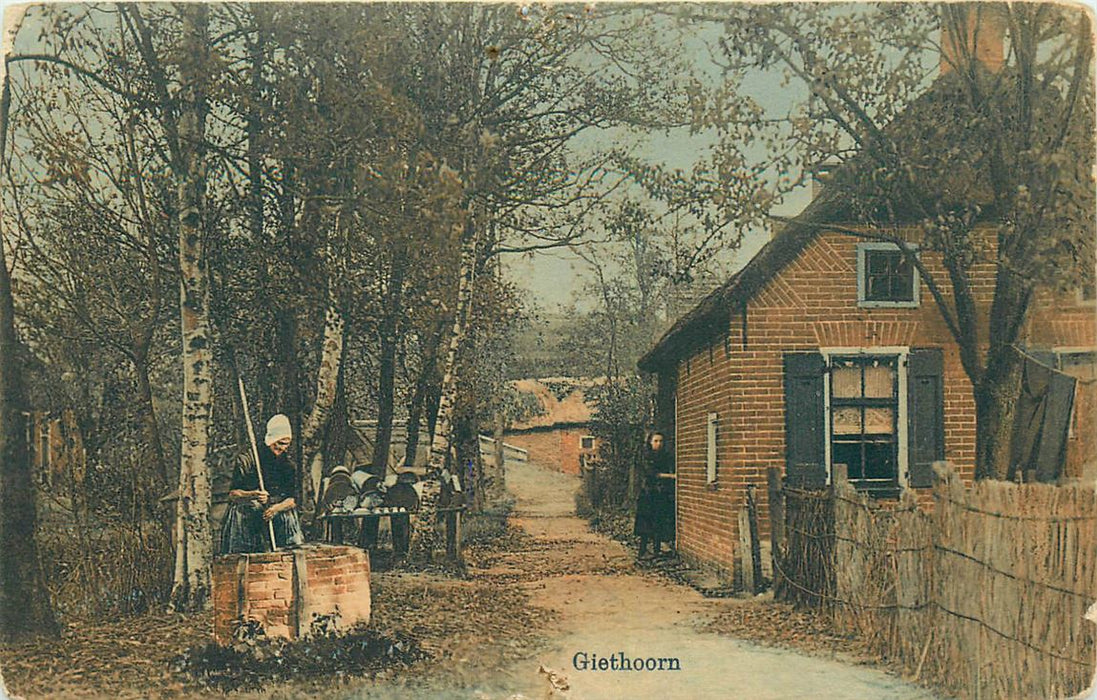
<point>885,277</point>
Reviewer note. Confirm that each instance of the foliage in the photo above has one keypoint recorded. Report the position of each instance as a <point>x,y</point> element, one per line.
<point>110,568</point>
<point>621,412</point>
<point>255,661</point>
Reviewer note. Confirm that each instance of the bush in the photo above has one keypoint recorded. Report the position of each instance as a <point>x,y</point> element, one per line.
<point>620,414</point>
<point>255,660</point>
<point>104,569</point>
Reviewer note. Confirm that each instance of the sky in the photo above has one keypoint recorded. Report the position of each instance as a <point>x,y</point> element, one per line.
<point>555,279</point>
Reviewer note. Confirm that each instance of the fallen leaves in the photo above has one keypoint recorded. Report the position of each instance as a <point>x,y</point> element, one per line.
<point>780,624</point>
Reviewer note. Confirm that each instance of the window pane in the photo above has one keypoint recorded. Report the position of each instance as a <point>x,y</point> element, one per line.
<point>879,421</point>
<point>888,276</point>
<point>880,461</point>
<point>1081,365</point>
<point>845,382</point>
<point>903,280</point>
<point>847,421</point>
<point>878,262</point>
<point>849,454</point>
<point>876,288</point>
<point>879,381</point>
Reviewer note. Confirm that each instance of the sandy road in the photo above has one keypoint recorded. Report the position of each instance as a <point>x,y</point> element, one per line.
<point>606,606</point>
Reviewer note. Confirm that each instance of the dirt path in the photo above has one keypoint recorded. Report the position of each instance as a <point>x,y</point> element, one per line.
<point>486,642</point>
<point>604,605</point>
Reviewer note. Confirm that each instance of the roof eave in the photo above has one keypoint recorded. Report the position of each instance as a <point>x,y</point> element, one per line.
<point>702,324</point>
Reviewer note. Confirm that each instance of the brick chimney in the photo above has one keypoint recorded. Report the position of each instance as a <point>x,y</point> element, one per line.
<point>982,26</point>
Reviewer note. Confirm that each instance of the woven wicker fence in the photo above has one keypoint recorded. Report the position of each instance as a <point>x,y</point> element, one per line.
<point>983,597</point>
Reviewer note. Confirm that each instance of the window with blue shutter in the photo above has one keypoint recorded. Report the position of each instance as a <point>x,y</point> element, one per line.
<point>925,415</point>
<point>805,430</point>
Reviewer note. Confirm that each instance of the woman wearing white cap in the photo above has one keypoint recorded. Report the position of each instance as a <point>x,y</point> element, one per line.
<point>245,529</point>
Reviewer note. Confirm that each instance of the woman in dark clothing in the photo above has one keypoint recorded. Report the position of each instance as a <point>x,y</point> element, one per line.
<point>655,505</point>
<point>245,529</point>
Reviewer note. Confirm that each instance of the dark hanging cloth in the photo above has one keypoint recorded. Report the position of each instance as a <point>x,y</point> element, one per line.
<point>1041,422</point>
<point>244,530</point>
<point>655,504</point>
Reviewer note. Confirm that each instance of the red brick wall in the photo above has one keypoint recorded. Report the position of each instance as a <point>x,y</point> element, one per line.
<point>261,587</point>
<point>810,304</point>
<point>559,448</point>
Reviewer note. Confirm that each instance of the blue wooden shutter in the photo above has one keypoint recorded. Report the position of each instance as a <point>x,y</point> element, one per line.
<point>925,415</point>
<point>805,439</point>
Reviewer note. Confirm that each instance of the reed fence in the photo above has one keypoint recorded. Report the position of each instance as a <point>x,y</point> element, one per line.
<point>982,596</point>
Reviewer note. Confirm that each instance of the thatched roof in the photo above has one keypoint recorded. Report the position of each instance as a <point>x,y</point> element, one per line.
<point>562,400</point>
<point>710,318</point>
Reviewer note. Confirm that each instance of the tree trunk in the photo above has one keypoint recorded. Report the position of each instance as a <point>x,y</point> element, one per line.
<point>496,476</point>
<point>266,399</point>
<point>24,603</point>
<point>337,434</point>
<point>289,399</point>
<point>148,418</point>
<point>421,400</point>
<point>327,377</point>
<point>193,538</point>
<point>434,400</point>
<point>469,465</point>
<point>995,405</point>
<point>386,389</point>
<point>447,398</point>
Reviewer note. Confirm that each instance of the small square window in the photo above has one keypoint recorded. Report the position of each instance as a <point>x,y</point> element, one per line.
<point>1087,293</point>
<point>587,442</point>
<point>885,277</point>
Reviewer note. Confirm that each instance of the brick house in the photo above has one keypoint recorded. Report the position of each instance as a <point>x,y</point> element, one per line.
<point>824,350</point>
<point>559,435</point>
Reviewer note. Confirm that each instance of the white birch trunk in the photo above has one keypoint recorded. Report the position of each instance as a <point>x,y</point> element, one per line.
<point>327,375</point>
<point>193,538</point>
<point>426,532</point>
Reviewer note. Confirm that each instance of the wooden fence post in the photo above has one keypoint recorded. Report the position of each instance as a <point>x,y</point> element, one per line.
<point>453,534</point>
<point>746,564</point>
<point>776,526</point>
<point>839,475</point>
<point>755,543</point>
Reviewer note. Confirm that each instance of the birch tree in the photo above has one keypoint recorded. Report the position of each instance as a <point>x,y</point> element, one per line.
<point>193,539</point>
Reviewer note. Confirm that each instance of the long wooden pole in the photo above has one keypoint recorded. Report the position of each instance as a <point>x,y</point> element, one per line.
<point>255,455</point>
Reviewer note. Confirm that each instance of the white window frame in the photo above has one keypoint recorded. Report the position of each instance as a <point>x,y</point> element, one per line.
<point>903,355</point>
<point>1060,350</point>
<point>583,438</point>
<point>711,440</point>
<point>862,302</point>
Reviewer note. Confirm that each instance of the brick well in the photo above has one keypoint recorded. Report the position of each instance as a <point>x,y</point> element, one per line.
<point>286,592</point>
